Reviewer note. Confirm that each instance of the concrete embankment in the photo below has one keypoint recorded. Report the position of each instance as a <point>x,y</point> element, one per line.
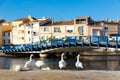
<point>60,75</point>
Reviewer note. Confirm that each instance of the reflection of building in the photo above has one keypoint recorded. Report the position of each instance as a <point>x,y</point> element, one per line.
<point>107,64</point>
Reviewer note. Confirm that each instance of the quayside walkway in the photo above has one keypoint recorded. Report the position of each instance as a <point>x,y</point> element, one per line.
<point>70,41</point>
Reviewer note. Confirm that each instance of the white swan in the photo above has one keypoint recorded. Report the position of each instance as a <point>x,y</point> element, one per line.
<point>18,68</point>
<point>29,64</point>
<point>46,68</point>
<point>62,63</point>
<point>78,64</point>
<point>39,63</point>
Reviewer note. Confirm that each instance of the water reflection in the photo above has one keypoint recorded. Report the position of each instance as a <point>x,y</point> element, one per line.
<point>102,65</point>
<point>10,63</point>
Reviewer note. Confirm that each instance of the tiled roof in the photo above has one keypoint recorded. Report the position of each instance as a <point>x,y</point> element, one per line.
<point>116,21</point>
<point>61,23</point>
<point>22,19</point>
<point>38,20</point>
<point>2,20</point>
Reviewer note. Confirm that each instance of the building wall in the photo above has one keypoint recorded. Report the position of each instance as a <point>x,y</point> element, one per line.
<point>119,29</point>
<point>85,30</point>
<point>98,28</point>
<point>6,29</point>
<point>36,32</point>
<point>1,35</point>
<point>112,29</point>
<point>6,38</point>
<point>63,31</point>
<point>23,34</point>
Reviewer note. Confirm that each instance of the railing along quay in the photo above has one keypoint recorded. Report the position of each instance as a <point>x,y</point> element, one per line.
<point>69,41</point>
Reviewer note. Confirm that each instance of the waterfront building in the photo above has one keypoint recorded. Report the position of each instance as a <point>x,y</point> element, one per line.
<point>80,26</point>
<point>57,29</point>
<point>1,28</point>
<point>5,28</point>
<point>111,27</point>
<point>30,29</point>
<point>19,28</point>
<point>6,33</point>
<point>25,30</point>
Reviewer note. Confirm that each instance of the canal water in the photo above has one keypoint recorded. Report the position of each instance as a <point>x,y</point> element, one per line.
<point>11,62</point>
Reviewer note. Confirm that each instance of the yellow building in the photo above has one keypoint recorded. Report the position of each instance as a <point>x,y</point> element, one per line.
<point>4,26</point>
<point>6,31</point>
<point>1,35</point>
<point>26,30</point>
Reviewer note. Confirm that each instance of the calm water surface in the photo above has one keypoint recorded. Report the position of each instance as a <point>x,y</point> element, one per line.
<point>10,63</point>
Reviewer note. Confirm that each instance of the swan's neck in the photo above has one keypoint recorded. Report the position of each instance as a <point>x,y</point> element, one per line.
<point>30,58</point>
<point>62,57</point>
<point>78,58</point>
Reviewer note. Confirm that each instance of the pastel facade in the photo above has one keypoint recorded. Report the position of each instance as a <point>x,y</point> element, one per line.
<point>28,30</point>
<point>57,29</point>
<point>6,28</point>
<point>80,26</point>
<point>1,29</point>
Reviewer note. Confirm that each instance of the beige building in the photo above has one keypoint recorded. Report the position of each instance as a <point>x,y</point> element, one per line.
<point>27,30</point>
<point>105,28</point>
<point>1,28</point>
<point>81,26</point>
<point>57,29</point>
<point>5,28</point>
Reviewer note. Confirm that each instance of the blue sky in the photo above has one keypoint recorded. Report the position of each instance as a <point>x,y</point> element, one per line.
<point>60,9</point>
